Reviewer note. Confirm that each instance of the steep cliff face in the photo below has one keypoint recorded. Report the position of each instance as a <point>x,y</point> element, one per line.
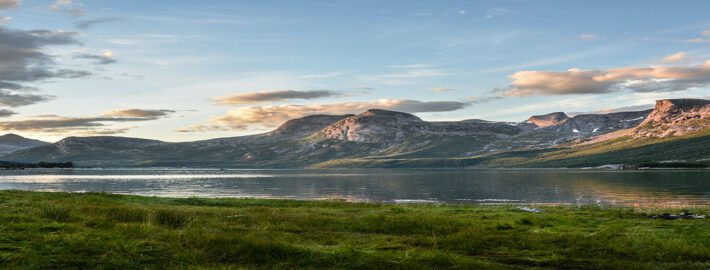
<point>675,117</point>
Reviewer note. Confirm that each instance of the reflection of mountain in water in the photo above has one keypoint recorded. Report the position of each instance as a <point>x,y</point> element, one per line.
<point>458,186</point>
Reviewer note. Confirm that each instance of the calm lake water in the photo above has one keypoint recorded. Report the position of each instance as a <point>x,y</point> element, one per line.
<point>382,185</point>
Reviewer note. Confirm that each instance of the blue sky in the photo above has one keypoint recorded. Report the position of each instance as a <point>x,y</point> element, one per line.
<point>188,70</point>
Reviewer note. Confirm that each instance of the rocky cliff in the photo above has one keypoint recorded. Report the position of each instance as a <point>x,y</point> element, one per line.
<point>547,120</point>
<point>675,117</point>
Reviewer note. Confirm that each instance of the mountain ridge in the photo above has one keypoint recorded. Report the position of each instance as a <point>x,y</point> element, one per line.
<point>379,135</point>
<point>12,142</point>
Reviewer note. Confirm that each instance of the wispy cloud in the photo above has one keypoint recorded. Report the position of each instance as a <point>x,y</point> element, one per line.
<point>70,7</point>
<point>495,12</point>
<point>86,24</point>
<point>632,108</point>
<point>587,36</point>
<point>103,124</point>
<point>480,100</point>
<point>269,96</point>
<point>676,57</point>
<point>139,113</point>
<point>323,75</point>
<point>703,38</point>
<point>406,76</point>
<point>442,89</point>
<point>104,58</point>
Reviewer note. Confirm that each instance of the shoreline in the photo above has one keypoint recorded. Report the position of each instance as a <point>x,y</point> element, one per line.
<point>399,202</point>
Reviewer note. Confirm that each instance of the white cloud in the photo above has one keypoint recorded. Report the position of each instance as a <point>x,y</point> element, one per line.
<point>442,89</point>
<point>322,75</point>
<point>587,36</point>
<point>70,7</point>
<point>405,76</point>
<point>676,57</point>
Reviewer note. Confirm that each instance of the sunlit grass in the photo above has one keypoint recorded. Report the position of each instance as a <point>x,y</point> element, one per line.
<point>80,231</point>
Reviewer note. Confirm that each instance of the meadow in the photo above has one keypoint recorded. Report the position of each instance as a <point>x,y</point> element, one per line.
<point>105,231</point>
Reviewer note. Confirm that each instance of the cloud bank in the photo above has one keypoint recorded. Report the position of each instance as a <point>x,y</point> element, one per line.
<point>86,125</point>
<point>636,79</point>
<point>23,60</point>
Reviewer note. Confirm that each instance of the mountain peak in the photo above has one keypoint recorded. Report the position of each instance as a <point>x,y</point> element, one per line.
<point>12,142</point>
<point>680,104</point>
<point>11,136</point>
<point>373,125</point>
<point>307,125</point>
<point>549,119</point>
<point>386,113</point>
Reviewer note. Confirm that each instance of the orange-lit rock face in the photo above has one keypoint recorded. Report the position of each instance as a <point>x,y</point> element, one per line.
<point>548,119</point>
<point>675,117</point>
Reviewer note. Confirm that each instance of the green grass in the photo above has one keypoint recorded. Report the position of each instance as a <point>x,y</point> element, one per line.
<point>83,231</point>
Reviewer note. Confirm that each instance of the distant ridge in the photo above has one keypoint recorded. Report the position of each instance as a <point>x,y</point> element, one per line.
<point>12,142</point>
<point>382,138</point>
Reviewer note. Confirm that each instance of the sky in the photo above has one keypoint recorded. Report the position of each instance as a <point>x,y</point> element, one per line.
<point>191,70</point>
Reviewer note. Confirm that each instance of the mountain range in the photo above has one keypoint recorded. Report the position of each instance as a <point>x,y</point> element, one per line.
<point>673,134</point>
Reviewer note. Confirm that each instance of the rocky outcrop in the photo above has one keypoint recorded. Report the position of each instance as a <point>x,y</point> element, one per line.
<point>377,126</point>
<point>675,117</point>
<point>549,119</point>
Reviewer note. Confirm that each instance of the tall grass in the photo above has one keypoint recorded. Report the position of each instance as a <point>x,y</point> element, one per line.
<point>172,218</point>
<point>99,231</point>
<point>56,212</point>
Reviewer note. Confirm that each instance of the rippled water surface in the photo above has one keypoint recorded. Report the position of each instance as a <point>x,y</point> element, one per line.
<point>381,185</point>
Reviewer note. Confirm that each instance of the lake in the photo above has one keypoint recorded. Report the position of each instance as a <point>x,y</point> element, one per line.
<point>635,188</point>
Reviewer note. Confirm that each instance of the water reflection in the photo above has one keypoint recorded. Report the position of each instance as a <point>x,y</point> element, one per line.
<point>638,188</point>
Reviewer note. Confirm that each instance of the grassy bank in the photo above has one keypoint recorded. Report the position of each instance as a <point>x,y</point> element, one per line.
<point>59,230</point>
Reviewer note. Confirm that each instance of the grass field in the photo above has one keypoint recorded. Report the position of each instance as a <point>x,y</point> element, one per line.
<point>80,231</point>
